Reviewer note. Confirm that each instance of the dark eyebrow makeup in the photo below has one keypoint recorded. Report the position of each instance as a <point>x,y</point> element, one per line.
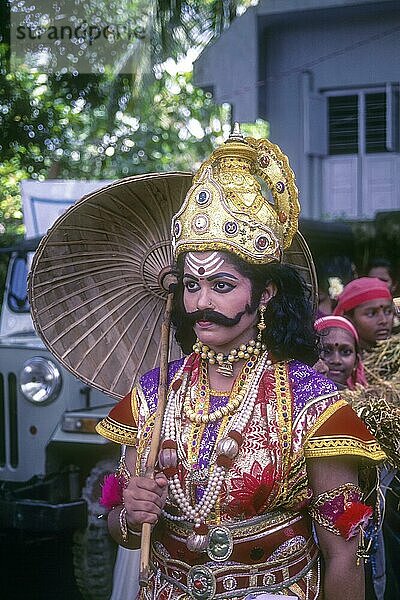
<point>212,277</point>
<point>219,275</point>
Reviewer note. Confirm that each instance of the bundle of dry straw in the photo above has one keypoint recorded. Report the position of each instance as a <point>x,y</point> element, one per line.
<point>378,404</point>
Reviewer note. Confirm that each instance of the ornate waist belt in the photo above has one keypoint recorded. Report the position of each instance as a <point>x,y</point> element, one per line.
<point>268,561</point>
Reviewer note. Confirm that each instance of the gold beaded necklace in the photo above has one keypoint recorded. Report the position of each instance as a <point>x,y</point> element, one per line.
<point>225,361</point>
<point>236,396</point>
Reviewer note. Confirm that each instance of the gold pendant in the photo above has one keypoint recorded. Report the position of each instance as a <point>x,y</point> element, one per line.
<point>226,369</point>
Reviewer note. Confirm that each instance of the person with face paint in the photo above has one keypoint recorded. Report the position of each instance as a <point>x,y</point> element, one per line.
<point>257,449</point>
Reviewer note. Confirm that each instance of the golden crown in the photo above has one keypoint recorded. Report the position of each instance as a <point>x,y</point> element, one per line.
<point>243,199</point>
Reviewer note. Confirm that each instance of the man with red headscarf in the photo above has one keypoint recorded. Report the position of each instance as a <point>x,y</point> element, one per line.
<point>367,303</point>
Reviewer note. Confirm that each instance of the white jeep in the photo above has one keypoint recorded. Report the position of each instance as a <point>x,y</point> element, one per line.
<point>52,461</point>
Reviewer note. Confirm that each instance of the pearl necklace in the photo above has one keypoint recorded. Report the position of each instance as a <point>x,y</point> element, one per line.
<point>226,450</point>
<point>225,361</point>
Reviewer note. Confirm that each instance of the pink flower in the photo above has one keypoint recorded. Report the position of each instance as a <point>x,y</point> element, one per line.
<point>111,491</point>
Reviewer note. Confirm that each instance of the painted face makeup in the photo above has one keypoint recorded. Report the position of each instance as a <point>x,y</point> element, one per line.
<point>204,266</point>
<point>218,296</point>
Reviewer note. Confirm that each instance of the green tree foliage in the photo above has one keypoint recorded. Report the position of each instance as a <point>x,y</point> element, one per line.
<point>175,128</point>
<point>95,126</point>
<point>63,127</point>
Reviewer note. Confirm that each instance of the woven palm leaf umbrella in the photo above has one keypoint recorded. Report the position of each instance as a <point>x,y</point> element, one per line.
<point>299,256</point>
<point>96,284</point>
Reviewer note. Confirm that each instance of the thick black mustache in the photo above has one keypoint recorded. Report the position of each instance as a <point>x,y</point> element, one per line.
<point>214,317</point>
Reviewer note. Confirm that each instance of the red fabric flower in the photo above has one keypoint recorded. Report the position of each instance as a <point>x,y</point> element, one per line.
<point>250,492</point>
<point>111,491</point>
<point>354,516</point>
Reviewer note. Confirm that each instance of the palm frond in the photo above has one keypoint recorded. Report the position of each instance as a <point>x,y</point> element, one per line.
<point>172,28</point>
<point>179,25</point>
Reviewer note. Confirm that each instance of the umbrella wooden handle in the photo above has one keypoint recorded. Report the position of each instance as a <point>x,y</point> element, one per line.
<point>145,555</point>
<point>155,438</point>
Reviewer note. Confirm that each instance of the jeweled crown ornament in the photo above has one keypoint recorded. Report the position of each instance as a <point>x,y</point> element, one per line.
<point>243,200</point>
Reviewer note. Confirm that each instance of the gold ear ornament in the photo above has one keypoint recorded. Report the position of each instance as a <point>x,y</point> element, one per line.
<point>261,324</point>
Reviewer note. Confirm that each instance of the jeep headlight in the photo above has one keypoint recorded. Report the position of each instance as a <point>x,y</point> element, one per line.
<point>40,380</point>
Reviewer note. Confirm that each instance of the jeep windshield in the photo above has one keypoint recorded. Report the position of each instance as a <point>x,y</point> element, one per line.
<point>17,296</point>
<point>17,284</point>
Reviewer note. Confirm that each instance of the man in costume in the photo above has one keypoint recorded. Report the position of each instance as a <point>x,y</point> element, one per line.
<point>256,446</point>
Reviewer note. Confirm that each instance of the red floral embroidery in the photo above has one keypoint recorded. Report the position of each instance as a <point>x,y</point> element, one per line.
<point>251,491</point>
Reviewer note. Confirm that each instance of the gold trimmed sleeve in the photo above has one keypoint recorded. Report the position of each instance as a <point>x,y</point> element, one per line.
<point>120,425</point>
<point>324,416</point>
<point>342,433</point>
<point>343,446</point>
<point>135,405</point>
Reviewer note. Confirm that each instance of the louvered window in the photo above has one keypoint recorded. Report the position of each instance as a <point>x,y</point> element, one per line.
<point>363,122</point>
<point>343,124</point>
<point>375,122</point>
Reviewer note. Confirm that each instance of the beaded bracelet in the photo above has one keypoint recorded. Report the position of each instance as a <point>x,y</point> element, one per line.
<point>124,528</point>
<point>123,524</point>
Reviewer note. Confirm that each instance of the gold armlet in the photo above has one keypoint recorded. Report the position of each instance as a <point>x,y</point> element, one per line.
<point>329,506</point>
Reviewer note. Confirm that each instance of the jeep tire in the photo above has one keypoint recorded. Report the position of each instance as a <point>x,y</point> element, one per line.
<point>93,549</point>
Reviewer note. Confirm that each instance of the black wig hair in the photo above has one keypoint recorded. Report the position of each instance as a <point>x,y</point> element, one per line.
<point>289,316</point>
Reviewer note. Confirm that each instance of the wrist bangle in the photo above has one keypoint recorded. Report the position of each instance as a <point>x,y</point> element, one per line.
<point>133,532</point>
<point>123,525</point>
